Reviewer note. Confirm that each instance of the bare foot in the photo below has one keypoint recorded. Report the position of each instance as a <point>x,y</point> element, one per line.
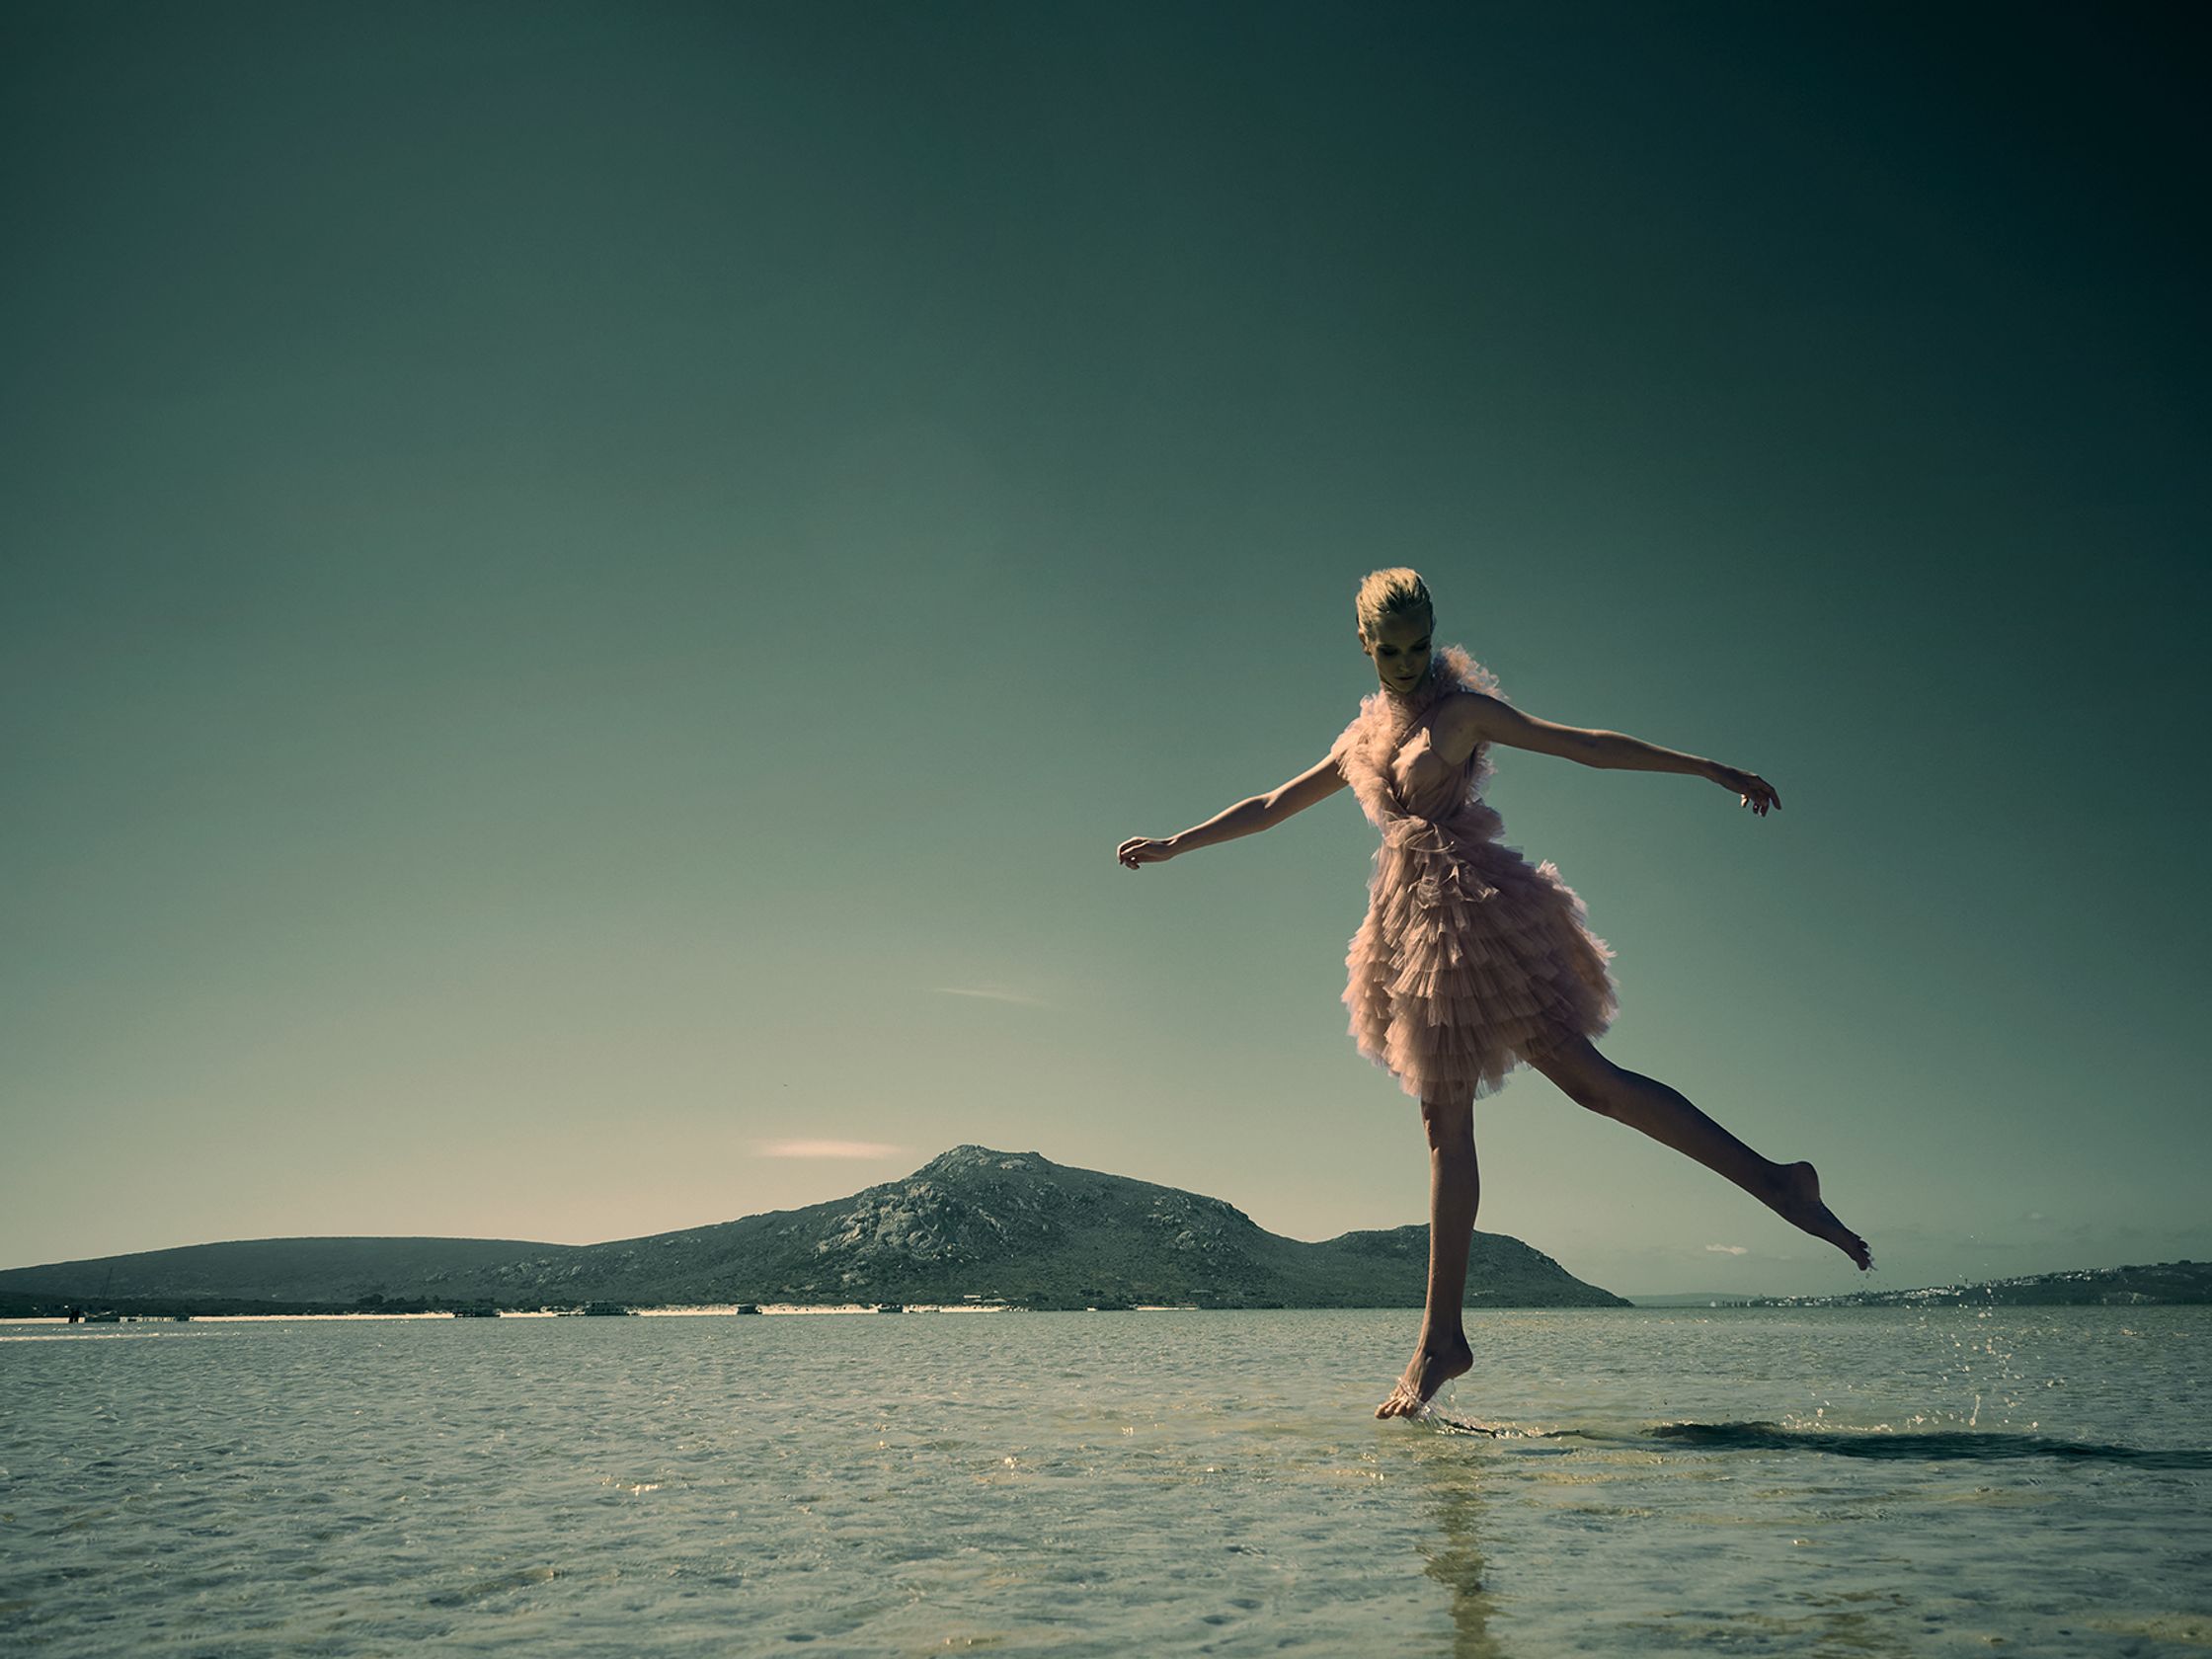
<point>1427,1371</point>
<point>1796,1199</point>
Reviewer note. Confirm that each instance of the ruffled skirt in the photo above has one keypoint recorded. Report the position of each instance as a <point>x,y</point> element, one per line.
<point>1470,959</point>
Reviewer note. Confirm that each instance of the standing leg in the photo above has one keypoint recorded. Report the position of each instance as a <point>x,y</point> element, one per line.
<point>1790,1190</point>
<point>1455,1190</point>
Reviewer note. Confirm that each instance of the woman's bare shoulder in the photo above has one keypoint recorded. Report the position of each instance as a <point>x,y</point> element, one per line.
<point>1471,717</point>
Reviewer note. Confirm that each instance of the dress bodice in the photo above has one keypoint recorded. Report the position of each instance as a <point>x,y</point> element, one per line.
<point>1389,756</point>
<point>1422,781</point>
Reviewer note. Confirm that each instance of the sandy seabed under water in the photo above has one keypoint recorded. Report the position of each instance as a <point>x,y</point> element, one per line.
<point>1785,1482</point>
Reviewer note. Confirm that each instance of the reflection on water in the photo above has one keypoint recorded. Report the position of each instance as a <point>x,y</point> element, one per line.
<point>1880,1441</point>
<point>1454,1556</point>
<point>1883,1443</point>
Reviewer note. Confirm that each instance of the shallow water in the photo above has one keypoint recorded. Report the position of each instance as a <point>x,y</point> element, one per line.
<point>1796,1482</point>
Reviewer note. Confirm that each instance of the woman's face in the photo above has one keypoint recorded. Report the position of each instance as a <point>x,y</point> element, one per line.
<point>1399,646</point>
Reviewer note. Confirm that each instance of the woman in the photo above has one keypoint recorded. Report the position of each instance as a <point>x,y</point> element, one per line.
<point>1470,959</point>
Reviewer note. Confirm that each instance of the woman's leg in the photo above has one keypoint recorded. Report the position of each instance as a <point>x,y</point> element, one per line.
<point>1455,1190</point>
<point>1790,1190</point>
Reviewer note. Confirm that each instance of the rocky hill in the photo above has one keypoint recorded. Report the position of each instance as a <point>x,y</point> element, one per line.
<point>973,1223</point>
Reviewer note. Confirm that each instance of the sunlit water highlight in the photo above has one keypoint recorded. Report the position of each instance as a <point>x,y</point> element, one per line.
<point>1762,1481</point>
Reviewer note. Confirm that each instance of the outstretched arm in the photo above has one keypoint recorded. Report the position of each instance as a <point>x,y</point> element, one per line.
<point>1247,817</point>
<point>1474,718</point>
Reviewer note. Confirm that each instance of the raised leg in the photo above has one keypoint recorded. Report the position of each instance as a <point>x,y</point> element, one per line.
<point>1790,1190</point>
<point>1455,1192</point>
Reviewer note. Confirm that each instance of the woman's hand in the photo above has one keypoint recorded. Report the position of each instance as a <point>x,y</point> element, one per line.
<point>1750,788</point>
<point>1142,850</point>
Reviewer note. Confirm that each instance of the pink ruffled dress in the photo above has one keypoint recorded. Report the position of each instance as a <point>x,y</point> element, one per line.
<point>1470,958</point>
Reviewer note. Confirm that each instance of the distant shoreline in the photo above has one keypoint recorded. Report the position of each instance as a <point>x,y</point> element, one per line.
<point>2118,1289</point>
<point>974,1227</point>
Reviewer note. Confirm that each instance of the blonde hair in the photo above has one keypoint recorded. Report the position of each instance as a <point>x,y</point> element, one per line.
<point>1396,592</point>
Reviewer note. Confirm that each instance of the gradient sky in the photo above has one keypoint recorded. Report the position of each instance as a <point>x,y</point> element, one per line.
<point>588,590</point>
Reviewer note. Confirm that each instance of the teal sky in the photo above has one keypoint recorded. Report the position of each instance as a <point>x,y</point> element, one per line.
<point>588,592</point>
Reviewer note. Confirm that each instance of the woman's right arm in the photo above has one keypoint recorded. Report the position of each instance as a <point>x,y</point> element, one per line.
<point>1247,817</point>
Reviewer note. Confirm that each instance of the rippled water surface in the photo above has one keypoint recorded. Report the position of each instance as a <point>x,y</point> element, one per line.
<point>1748,1482</point>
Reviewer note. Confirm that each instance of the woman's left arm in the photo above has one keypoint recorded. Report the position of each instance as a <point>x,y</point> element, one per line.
<point>1471,718</point>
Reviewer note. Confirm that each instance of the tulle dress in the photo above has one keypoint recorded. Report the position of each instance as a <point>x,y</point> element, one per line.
<point>1470,958</point>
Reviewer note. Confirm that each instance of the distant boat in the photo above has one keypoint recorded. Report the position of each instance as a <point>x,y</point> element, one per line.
<point>476,1312</point>
<point>604,1309</point>
<point>749,1307</point>
<point>887,1308</point>
<point>103,1318</point>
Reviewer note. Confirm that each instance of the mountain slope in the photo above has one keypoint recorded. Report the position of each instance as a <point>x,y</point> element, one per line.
<point>970,1223</point>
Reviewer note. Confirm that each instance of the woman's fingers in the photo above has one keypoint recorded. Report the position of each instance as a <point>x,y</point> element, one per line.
<point>1754,792</point>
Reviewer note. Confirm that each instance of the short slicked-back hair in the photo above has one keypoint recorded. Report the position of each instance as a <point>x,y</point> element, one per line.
<point>1396,592</point>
